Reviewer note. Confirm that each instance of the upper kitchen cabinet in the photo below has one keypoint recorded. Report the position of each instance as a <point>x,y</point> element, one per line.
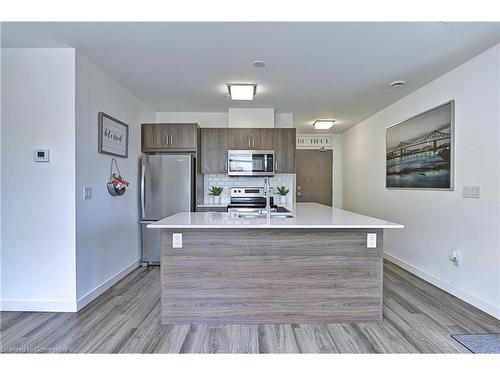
<point>284,147</point>
<point>152,137</point>
<point>245,139</point>
<point>215,142</point>
<point>282,141</point>
<point>214,146</point>
<point>166,137</point>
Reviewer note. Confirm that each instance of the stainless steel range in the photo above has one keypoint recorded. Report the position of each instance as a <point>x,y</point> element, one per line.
<point>249,200</point>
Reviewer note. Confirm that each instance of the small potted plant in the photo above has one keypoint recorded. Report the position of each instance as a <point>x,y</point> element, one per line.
<point>215,192</point>
<point>282,193</point>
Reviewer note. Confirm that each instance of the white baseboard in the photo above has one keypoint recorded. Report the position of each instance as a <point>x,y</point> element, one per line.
<point>94,293</point>
<point>440,283</point>
<point>37,305</point>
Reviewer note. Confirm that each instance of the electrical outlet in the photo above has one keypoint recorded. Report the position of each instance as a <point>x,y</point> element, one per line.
<point>453,257</point>
<point>371,240</point>
<point>177,240</point>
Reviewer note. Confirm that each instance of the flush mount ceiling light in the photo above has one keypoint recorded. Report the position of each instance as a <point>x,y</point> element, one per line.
<point>323,124</point>
<point>242,91</point>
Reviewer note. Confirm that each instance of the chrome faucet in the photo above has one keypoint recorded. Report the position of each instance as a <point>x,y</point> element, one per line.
<point>267,189</point>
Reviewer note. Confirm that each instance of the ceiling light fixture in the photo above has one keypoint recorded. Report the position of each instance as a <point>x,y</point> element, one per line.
<point>242,91</point>
<point>397,84</point>
<point>323,124</point>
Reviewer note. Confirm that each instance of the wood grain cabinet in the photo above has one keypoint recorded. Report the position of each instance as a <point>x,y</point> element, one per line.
<point>212,209</point>
<point>151,137</point>
<point>282,141</point>
<point>245,139</point>
<point>284,147</point>
<point>214,146</point>
<point>164,137</point>
<point>215,142</point>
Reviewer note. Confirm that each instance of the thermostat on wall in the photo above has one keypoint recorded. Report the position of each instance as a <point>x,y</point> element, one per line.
<point>41,154</point>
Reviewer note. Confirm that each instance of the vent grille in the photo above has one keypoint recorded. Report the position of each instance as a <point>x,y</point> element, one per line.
<point>307,141</point>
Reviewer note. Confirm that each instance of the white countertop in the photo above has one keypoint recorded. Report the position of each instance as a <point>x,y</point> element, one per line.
<point>306,215</point>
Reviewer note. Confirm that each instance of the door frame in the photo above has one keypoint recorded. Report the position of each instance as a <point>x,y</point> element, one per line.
<point>317,142</point>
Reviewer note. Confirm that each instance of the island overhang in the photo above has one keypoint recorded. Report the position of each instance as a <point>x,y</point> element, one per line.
<point>305,215</point>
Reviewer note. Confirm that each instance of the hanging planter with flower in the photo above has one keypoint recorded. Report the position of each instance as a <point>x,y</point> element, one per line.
<point>116,185</point>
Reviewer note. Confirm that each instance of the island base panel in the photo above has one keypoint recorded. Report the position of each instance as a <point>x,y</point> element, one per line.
<point>248,276</point>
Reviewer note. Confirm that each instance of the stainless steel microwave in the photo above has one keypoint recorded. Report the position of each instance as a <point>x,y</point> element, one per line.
<point>250,163</point>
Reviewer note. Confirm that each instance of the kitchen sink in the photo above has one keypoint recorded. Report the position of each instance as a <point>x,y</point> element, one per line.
<point>278,215</point>
<point>283,216</point>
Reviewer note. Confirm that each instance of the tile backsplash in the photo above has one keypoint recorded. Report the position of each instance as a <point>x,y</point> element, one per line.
<point>280,179</point>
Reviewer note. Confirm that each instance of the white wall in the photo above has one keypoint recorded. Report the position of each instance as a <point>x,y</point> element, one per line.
<point>439,221</point>
<point>1,278</point>
<point>251,117</point>
<point>204,119</point>
<point>38,210</point>
<point>337,171</point>
<point>217,119</point>
<point>108,237</point>
<point>283,120</point>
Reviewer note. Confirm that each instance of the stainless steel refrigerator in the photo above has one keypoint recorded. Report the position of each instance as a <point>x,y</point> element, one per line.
<point>167,187</point>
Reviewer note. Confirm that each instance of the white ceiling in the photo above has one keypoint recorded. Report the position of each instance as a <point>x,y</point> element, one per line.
<point>315,70</point>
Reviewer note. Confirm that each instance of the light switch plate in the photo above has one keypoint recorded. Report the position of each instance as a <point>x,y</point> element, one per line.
<point>177,240</point>
<point>371,240</point>
<point>87,192</point>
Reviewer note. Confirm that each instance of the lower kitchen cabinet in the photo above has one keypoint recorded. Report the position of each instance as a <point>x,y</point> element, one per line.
<point>211,209</point>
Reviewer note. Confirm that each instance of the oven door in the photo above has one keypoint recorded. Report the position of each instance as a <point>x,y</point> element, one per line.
<point>250,163</point>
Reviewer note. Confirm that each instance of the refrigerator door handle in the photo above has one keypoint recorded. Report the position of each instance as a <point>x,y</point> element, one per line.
<point>143,191</point>
<point>192,179</point>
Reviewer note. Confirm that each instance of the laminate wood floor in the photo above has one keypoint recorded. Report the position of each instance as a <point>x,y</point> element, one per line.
<point>418,318</point>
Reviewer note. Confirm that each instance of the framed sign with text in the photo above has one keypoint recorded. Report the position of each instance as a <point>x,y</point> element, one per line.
<point>113,136</point>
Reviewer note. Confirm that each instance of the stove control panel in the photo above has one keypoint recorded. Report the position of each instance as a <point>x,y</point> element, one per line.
<point>248,192</point>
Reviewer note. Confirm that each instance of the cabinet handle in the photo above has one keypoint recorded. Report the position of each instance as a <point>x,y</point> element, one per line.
<point>171,139</point>
<point>253,142</point>
<point>276,166</point>
<point>248,141</point>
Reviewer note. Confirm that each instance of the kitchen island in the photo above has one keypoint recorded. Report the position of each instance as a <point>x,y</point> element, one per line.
<point>315,267</point>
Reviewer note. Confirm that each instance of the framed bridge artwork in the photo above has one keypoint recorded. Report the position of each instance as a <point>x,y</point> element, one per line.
<point>420,150</point>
